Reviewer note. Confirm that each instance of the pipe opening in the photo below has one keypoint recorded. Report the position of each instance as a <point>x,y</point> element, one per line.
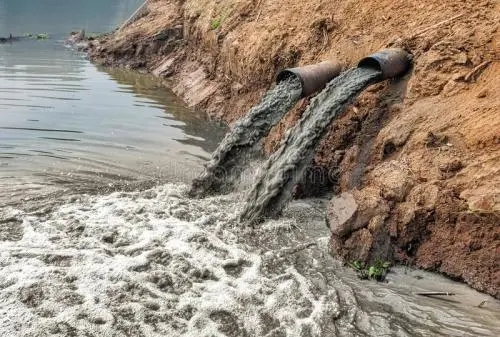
<point>313,78</point>
<point>370,62</point>
<point>392,62</point>
<point>287,74</point>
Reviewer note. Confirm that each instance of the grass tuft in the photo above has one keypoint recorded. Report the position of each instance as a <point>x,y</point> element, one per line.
<point>215,23</point>
<point>39,36</point>
<point>377,271</point>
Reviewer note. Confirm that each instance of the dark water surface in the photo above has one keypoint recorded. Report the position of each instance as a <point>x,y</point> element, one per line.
<point>66,124</point>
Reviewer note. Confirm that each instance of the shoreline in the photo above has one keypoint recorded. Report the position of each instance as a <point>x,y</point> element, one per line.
<point>413,161</point>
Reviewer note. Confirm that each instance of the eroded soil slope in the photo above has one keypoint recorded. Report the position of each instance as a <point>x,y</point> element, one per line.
<point>415,162</point>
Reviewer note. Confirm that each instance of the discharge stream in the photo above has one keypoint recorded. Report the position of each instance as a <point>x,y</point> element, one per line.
<point>286,167</point>
<point>228,161</point>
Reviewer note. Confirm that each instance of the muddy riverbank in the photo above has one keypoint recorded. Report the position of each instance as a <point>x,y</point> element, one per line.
<point>414,162</point>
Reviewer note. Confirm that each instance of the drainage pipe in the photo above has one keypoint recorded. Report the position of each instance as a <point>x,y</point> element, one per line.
<point>392,62</point>
<point>313,77</point>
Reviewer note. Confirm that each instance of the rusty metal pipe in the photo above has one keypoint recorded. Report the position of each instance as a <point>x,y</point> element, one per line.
<point>313,77</point>
<point>392,62</point>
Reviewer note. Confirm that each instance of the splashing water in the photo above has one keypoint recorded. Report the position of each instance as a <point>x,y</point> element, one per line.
<point>151,263</point>
<point>156,263</point>
<point>229,159</point>
<point>286,167</point>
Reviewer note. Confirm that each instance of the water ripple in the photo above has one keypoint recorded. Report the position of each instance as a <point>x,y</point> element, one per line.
<point>61,139</point>
<point>38,129</point>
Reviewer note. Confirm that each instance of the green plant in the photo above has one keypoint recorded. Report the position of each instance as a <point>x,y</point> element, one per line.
<point>215,23</point>
<point>377,271</point>
<point>39,36</point>
<point>42,36</point>
<point>356,265</point>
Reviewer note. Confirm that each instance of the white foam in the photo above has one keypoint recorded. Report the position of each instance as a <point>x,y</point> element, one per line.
<point>156,263</point>
<point>148,264</point>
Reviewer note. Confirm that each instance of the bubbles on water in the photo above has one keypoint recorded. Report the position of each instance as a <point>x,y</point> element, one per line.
<point>157,263</point>
<point>150,263</point>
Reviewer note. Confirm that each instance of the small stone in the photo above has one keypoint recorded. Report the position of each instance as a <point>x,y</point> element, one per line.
<point>462,59</point>
<point>237,87</point>
<point>483,93</point>
<point>359,245</point>
<point>376,223</point>
<point>458,77</point>
<point>451,166</point>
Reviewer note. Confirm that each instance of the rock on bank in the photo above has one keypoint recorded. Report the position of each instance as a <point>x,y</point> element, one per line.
<point>418,159</point>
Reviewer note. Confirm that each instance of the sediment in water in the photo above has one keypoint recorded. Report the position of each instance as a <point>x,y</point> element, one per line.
<point>286,167</point>
<point>229,159</point>
<point>155,263</point>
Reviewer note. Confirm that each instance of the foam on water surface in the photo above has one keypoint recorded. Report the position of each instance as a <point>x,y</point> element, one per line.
<point>156,263</point>
<point>145,264</point>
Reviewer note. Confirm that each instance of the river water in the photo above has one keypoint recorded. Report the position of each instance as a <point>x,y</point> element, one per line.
<point>99,238</point>
<point>65,124</point>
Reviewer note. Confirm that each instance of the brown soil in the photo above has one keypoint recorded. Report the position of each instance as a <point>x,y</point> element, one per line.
<point>418,159</point>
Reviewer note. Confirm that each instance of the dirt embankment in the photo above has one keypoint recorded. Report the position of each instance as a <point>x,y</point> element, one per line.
<point>415,162</point>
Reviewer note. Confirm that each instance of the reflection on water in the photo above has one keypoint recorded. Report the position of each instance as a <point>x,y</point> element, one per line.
<point>65,123</point>
<point>150,92</point>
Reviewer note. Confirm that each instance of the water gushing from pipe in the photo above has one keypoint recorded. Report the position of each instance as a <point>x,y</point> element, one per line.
<point>286,167</point>
<point>230,158</point>
<point>232,154</point>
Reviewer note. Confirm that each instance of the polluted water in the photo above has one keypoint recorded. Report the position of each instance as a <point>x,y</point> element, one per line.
<point>156,263</point>
<point>235,150</point>
<point>286,167</point>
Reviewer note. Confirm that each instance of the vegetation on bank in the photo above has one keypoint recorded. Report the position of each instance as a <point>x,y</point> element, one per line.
<point>39,36</point>
<point>376,271</point>
<point>215,23</point>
